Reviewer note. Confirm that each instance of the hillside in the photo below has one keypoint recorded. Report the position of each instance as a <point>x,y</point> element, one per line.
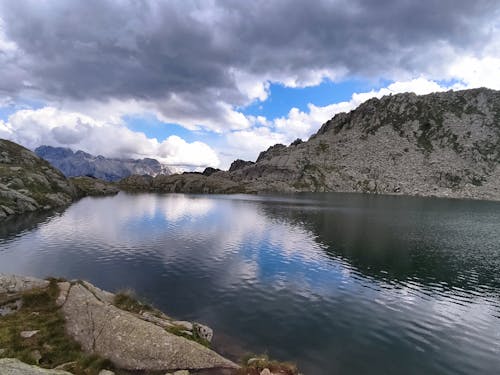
<point>79,163</point>
<point>442,144</point>
<point>28,183</point>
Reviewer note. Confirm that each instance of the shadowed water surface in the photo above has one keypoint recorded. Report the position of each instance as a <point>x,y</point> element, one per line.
<point>339,283</point>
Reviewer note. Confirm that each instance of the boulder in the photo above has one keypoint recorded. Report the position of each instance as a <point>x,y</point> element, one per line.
<point>130,342</point>
<point>17,284</point>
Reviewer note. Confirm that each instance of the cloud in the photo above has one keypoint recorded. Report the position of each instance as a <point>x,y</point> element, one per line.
<point>51,126</point>
<point>195,63</point>
<point>302,124</point>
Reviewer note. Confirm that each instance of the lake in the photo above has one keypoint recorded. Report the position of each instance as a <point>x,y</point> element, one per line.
<point>338,283</point>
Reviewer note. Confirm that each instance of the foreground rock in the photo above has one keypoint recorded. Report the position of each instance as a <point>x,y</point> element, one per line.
<point>141,339</point>
<point>11,366</point>
<point>443,144</point>
<point>129,341</point>
<point>28,183</point>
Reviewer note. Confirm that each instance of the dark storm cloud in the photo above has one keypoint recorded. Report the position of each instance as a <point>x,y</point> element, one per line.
<point>188,50</point>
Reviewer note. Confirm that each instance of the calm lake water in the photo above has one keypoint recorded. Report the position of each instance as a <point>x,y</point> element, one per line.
<point>339,283</point>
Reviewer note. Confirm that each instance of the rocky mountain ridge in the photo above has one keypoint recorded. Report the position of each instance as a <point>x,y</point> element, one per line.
<point>444,144</point>
<point>80,163</point>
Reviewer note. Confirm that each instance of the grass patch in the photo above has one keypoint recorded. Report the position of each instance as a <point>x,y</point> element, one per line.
<point>50,347</point>
<point>181,331</point>
<point>253,365</point>
<point>126,300</point>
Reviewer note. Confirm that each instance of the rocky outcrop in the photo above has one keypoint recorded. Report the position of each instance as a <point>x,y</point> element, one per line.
<point>12,284</point>
<point>210,171</point>
<point>92,186</point>
<point>239,164</point>
<point>79,163</point>
<point>270,152</point>
<point>28,183</point>
<point>443,144</point>
<point>142,339</point>
<point>129,341</point>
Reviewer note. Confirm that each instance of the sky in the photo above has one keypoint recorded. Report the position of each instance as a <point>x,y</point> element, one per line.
<point>202,83</point>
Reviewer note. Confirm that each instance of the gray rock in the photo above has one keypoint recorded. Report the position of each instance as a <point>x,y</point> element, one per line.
<point>102,295</point>
<point>106,372</point>
<point>181,372</point>
<point>10,366</point>
<point>183,324</point>
<point>130,342</point>
<point>239,164</point>
<point>63,293</point>
<point>28,334</point>
<point>17,284</point>
<point>163,322</point>
<point>203,331</point>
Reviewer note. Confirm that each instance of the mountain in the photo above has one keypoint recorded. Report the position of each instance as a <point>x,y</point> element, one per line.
<point>80,163</point>
<point>443,144</point>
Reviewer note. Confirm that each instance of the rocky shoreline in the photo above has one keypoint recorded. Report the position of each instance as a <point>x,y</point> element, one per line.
<point>72,327</point>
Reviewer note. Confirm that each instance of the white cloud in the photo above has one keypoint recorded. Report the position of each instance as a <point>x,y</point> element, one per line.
<point>247,144</point>
<point>51,126</point>
<point>299,124</point>
<point>474,72</point>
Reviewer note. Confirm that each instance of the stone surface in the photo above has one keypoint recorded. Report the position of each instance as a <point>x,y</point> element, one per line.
<point>17,284</point>
<point>266,371</point>
<point>9,366</point>
<point>106,372</point>
<point>128,341</point>
<point>100,294</point>
<point>28,334</point>
<point>164,321</point>
<point>63,293</point>
<point>184,324</point>
<point>181,372</point>
<point>203,331</point>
